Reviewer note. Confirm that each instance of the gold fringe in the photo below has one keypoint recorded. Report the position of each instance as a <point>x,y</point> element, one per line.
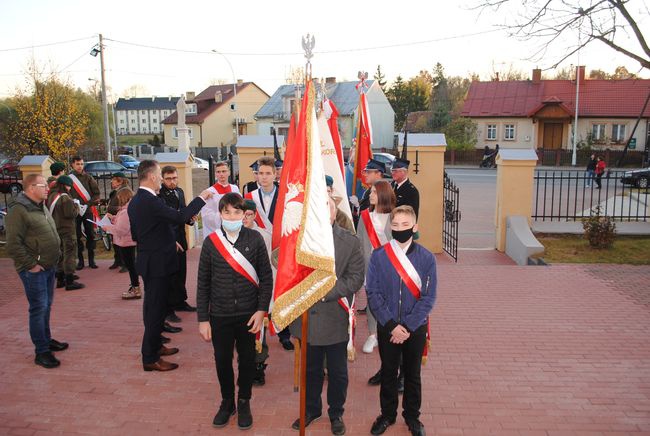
<point>424,360</point>
<point>258,346</point>
<point>266,321</point>
<point>352,354</point>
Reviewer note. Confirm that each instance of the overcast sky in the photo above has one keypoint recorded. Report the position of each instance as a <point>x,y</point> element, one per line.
<point>262,41</point>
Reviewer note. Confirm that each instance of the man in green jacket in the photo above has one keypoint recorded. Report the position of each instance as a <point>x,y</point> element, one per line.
<point>33,244</point>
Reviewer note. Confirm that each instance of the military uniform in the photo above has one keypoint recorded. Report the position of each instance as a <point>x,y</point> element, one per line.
<point>93,189</point>
<point>407,195</point>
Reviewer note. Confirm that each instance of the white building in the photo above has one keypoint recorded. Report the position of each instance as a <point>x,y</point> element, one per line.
<point>143,115</point>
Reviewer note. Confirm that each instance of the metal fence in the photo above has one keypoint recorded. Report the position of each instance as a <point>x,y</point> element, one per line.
<point>573,195</point>
<point>555,157</point>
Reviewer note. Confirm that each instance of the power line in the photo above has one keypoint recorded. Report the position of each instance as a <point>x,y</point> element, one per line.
<point>46,45</point>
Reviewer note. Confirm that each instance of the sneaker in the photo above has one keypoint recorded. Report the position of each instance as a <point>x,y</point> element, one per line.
<point>47,360</point>
<point>244,415</point>
<point>308,420</point>
<point>226,410</point>
<point>132,294</point>
<point>370,344</point>
<point>337,425</point>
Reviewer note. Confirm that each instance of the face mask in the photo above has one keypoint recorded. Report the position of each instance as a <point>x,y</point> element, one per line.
<point>402,235</point>
<point>231,226</point>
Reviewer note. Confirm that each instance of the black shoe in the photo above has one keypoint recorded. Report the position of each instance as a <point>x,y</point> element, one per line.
<point>164,340</point>
<point>60,279</point>
<point>80,265</point>
<point>244,415</point>
<point>75,277</point>
<point>47,360</point>
<point>416,427</point>
<point>375,379</point>
<point>338,427</point>
<point>259,379</point>
<point>123,269</point>
<point>308,420</point>
<point>400,384</point>
<point>226,410</point>
<point>172,317</point>
<point>114,266</point>
<point>185,307</point>
<point>381,424</point>
<point>171,329</point>
<point>92,265</point>
<point>71,285</point>
<point>58,346</point>
<point>287,344</point>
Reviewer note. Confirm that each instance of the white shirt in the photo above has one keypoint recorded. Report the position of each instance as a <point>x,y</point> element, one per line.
<point>210,216</point>
<point>148,190</point>
<point>267,199</point>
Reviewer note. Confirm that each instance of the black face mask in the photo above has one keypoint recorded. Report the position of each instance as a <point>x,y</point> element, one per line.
<point>402,235</point>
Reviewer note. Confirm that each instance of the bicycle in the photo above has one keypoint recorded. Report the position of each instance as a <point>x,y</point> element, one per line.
<point>3,230</point>
<point>99,234</point>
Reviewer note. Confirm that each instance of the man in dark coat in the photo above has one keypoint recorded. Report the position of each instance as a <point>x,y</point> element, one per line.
<point>329,331</point>
<point>153,226</point>
<point>405,192</point>
<point>174,197</point>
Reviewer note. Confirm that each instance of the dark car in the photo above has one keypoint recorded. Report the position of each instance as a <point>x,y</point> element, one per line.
<point>128,161</point>
<point>10,185</point>
<point>104,169</point>
<point>9,166</point>
<point>637,178</point>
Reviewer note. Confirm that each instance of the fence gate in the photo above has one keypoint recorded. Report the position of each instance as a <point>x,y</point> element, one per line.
<point>451,202</point>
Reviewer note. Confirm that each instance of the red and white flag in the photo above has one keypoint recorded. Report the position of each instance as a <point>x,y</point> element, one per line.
<point>306,259</point>
<point>332,115</point>
<point>363,149</point>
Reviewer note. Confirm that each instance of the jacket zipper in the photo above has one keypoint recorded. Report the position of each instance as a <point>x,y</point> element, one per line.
<point>399,305</point>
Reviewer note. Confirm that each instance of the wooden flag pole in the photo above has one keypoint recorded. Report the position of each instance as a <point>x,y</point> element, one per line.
<point>303,371</point>
<point>296,366</point>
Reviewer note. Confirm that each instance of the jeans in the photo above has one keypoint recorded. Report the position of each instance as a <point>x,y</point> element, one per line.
<point>39,289</point>
<point>337,378</point>
<point>589,174</point>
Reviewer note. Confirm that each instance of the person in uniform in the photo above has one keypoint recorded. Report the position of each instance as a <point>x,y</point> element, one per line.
<point>57,169</point>
<point>279,163</point>
<point>405,192</point>
<point>86,191</point>
<point>252,185</point>
<point>64,212</point>
<point>373,172</point>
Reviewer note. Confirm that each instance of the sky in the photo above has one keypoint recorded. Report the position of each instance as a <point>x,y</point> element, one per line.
<point>261,42</point>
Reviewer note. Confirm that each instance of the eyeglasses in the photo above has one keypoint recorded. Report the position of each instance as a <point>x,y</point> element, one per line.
<point>40,185</point>
<point>170,178</point>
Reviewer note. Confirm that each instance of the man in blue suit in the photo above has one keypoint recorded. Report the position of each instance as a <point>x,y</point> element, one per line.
<point>153,225</point>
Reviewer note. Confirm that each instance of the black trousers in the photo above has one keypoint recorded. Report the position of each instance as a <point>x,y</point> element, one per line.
<point>228,333</point>
<point>337,378</point>
<point>90,238</point>
<point>178,291</point>
<point>154,308</point>
<point>117,257</point>
<point>127,254</point>
<point>411,353</point>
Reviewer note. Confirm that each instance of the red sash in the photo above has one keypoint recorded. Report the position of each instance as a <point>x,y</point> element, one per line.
<point>222,189</point>
<point>370,229</point>
<point>234,258</point>
<point>80,189</point>
<point>260,217</point>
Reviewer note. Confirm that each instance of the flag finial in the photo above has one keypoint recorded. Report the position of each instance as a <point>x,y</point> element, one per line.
<point>308,43</point>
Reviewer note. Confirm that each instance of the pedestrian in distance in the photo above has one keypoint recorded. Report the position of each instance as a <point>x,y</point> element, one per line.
<point>590,172</point>
<point>600,171</point>
<point>34,245</point>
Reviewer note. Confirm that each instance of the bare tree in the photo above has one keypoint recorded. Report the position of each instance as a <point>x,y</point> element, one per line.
<point>554,22</point>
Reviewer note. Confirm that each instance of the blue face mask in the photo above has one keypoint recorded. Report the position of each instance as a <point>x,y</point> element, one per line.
<point>231,226</point>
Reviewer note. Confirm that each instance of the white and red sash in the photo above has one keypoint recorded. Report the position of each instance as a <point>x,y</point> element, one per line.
<point>56,198</point>
<point>234,258</point>
<point>352,324</point>
<point>261,218</point>
<point>410,277</point>
<point>222,190</point>
<point>376,235</point>
<point>80,189</point>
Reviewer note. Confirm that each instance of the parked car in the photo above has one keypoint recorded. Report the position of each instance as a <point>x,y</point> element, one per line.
<point>128,161</point>
<point>638,178</point>
<point>104,169</point>
<point>200,163</point>
<point>10,185</point>
<point>9,166</point>
<point>125,149</point>
<point>385,158</point>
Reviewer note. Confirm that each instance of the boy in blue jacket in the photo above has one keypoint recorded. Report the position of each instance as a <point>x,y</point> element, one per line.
<point>401,288</point>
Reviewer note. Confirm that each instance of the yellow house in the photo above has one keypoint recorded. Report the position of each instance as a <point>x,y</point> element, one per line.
<point>214,115</point>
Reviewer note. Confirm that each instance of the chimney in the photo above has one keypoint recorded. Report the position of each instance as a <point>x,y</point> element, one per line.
<point>240,82</point>
<point>330,80</point>
<point>153,98</point>
<point>580,73</point>
<point>189,95</point>
<point>218,98</point>
<point>537,75</point>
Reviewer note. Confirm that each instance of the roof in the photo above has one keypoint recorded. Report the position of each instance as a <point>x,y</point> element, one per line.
<point>422,139</point>
<point>258,141</point>
<point>344,95</point>
<point>205,103</point>
<point>597,98</point>
<point>146,103</point>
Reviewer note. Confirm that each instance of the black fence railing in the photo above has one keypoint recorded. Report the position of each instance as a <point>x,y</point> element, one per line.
<point>574,195</point>
<point>555,157</point>
<point>104,182</point>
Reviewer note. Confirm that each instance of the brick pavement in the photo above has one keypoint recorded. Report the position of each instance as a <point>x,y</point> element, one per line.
<point>558,350</point>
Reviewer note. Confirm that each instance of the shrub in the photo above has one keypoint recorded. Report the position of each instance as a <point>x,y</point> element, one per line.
<point>600,230</point>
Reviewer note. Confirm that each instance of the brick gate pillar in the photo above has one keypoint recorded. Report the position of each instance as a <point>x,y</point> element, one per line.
<point>37,164</point>
<point>248,155</point>
<point>515,177</point>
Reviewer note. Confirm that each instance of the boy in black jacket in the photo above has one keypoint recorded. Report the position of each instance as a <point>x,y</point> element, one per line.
<point>234,290</point>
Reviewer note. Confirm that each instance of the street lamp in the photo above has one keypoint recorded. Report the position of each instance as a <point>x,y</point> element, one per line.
<point>234,90</point>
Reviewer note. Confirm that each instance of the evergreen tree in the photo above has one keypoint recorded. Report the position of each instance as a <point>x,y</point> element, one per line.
<point>380,78</point>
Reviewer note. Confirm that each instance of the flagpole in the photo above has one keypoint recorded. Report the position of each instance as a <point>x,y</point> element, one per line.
<point>308,43</point>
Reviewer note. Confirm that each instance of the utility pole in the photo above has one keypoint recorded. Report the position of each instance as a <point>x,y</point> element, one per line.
<point>107,131</point>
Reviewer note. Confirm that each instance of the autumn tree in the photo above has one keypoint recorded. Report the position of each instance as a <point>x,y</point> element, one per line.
<point>48,120</point>
<point>572,25</point>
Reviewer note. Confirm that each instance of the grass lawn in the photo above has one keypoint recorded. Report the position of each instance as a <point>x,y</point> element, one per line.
<point>632,250</point>
<point>134,139</point>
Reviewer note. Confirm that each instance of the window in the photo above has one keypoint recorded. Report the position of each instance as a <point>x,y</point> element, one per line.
<point>175,132</point>
<point>155,128</point>
<point>492,131</point>
<point>509,132</point>
<point>144,121</point>
<point>191,109</point>
<point>143,112</point>
<point>121,121</point>
<point>598,132</point>
<point>132,112</point>
<point>618,133</point>
<point>155,120</point>
<point>133,129</point>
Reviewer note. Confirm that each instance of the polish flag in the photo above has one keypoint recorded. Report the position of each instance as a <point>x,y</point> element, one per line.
<point>363,149</point>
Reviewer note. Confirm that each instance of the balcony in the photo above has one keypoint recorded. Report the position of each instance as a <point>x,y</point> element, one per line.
<point>282,116</point>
